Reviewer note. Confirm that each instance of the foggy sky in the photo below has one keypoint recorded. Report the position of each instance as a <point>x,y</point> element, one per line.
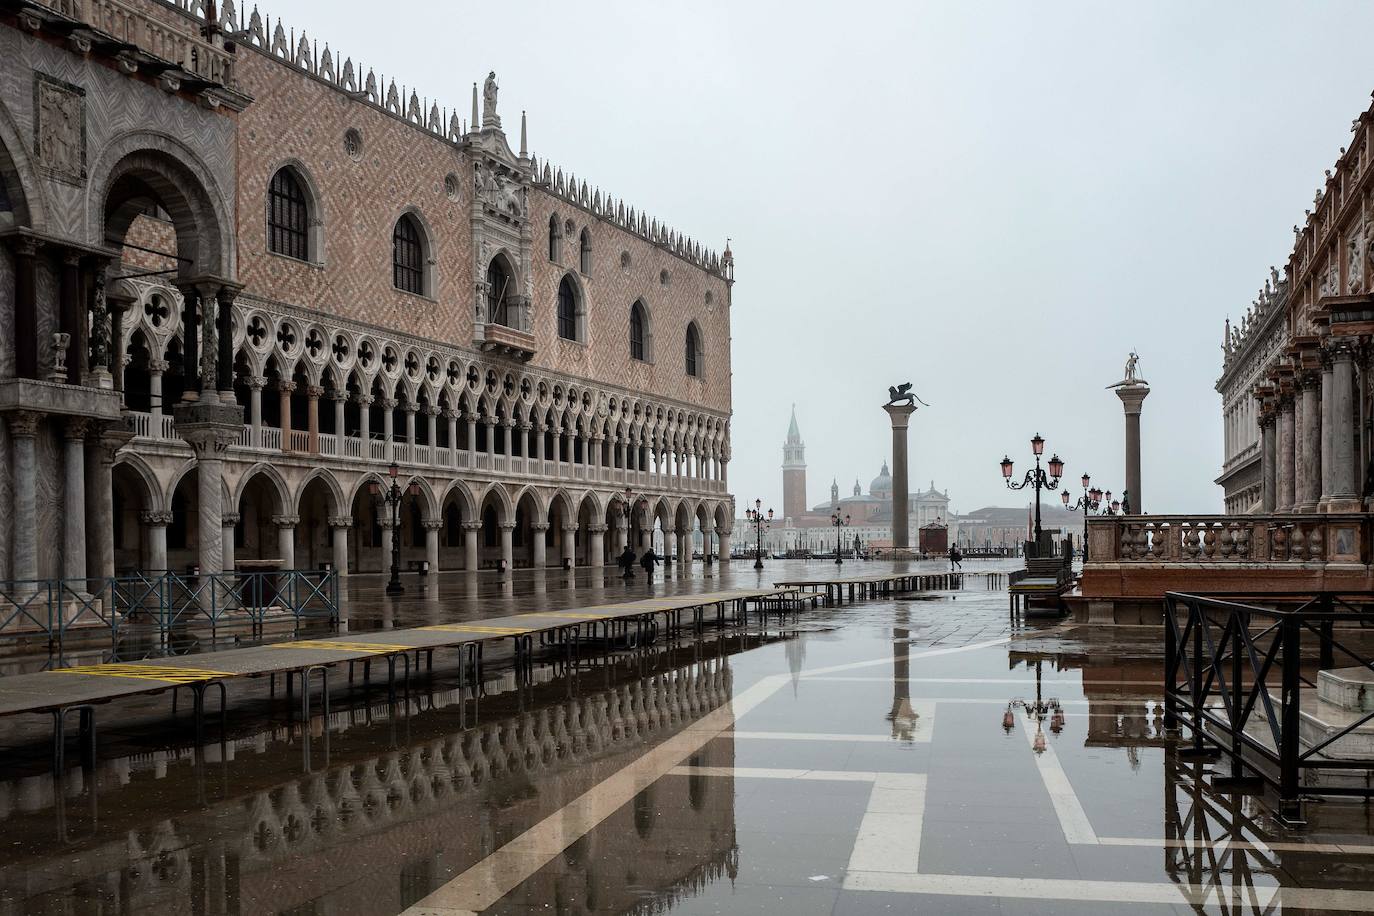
<point>995,201</point>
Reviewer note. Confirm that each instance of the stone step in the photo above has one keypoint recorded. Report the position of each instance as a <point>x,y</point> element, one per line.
<point>1347,688</point>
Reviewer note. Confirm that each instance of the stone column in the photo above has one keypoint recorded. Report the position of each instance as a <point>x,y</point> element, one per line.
<point>157,522</point>
<point>74,502</point>
<point>1328,425</point>
<point>286,539</point>
<point>432,529</point>
<point>389,427</point>
<point>1345,466</point>
<point>451,417</point>
<point>224,331</point>
<point>509,427</point>
<point>570,547</point>
<point>100,457</point>
<point>723,539</point>
<point>472,437</point>
<point>1268,459</point>
<point>707,552</point>
<point>365,425</point>
<point>284,389</point>
<point>621,536</point>
<point>900,414</point>
<point>596,545</point>
<point>190,341</point>
<point>70,314</point>
<point>410,409</point>
<point>255,385</point>
<point>472,531</point>
<point>210,441</point>
<point>231,521</point>
<point>23,425</point>
<point>1132,397</point>
<point>388,532</point>
<point>340,397</point>
<point>538,532</point>
<point>490,424</point>
<point>155,369</point>
<point>432,429</point>
<point>1310,447</point>
<point>508,544</point>
<point>1285,465</point>
<point>313,393</point>
<point>340,525</point>
<point>538,429</point>
<point>684,550</point>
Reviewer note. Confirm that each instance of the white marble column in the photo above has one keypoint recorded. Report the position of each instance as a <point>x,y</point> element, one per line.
<point>538,532</point>
<point>231,521</point>
<point>156,367</point>
<point>472,534</point>
<point>340,398</point>
<point>255,385</point>
<point>508,544</point>
<point>570,546</point>
<point>340,525</point>
<point>596,546</point>
<point>389,427</point>
<point>365,425</point>
<point>100,456</point>
<point>156,523</point>
<point>388,532</point>
<point>1345,465</point>
<point>472,438</point>
<point>684,551</point>
<point>452,417</point>
<point>74,501</point>
<point>432,528</point>
<point>410,410</point>
<point>723,537</point>
<point>490,424</point>
<point>23,426</point>
<point>286,539</point>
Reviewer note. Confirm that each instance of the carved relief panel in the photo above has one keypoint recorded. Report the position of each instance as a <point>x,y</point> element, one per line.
<point>59,111</point>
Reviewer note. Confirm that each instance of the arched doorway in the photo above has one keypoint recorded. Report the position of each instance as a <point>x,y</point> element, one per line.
<point>317,510</point>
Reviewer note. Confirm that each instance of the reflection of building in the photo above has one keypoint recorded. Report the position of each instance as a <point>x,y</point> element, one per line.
<point>360,834</point>
<point>278,275</point>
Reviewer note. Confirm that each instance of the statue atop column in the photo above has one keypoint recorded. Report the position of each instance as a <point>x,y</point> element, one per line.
<point>1130,375</point>
<point>489,91</point>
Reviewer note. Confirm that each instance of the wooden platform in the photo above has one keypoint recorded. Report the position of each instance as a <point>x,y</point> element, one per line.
<point>60,691</point>
<point>853,588</point>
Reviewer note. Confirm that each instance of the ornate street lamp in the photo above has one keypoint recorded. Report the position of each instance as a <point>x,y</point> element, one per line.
<point>759,521</point>
<point>839,521</point>
<point>1037,478</point>
<point>1089,501</point>
<point>1040,710</point>
<point>391,497</point>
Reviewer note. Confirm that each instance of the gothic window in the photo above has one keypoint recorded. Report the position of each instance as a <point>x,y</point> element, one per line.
<point>555,238</point>
<point>288,217</point>
<point>408,256</point>
<point>693,350</point>
<point>637,350</point>
<point>585,263</point>
<point>567,310</point>
<point>498,291</point>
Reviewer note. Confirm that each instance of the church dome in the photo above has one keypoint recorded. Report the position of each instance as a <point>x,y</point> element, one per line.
<point>881,487</point>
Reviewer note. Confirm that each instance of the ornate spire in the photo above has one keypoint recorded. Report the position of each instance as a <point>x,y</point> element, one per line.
<point>524,137</point>
<point>793,433</point>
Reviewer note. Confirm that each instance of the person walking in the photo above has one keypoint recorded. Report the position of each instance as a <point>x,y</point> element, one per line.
<point>956,559</point>
<point>649,561</point>
<point>626,562</point>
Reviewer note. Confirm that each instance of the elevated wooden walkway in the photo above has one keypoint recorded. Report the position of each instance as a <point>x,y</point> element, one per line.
<point>61,691</point>
<point>853,588</point>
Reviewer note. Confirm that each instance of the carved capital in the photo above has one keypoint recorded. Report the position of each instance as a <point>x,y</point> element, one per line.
<point>229,519</point>
<point>160,518</point>
<point>286,521</point>
<point>364,400</point>
<point>314,392</point>
<point>433,524</point>
<point>340,521</point>
<point>257,382</point>
<point>23,424</point>
<point>158,366</point>
<point>286,386</point>
<point>389,403</point>
<point>76,428</point>
<point>410,407</point>
<point>387,521</point>
<point>433,410</point>
<point>539,526</point>
<point>597,529</point>
<point>1343,349</point>
<point>507,526</point>
<point>1311,378</point>
<point>472,526</point>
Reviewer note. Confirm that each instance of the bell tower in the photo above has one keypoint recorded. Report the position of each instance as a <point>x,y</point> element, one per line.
<point>793,471</point>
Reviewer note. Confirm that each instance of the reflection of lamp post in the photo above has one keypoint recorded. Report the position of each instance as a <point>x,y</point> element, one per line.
<point>391,496</point>
<point>839,521</point>
<point>1037,477</point>
<point>1090,500</point>
<point>757,518</point>
<point>1039,710</point>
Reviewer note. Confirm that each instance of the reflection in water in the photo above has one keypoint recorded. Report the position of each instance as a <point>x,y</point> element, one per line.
<point>902,716</point>
<point>165,831</point>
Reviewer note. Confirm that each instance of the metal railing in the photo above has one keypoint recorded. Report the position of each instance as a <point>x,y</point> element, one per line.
<point>1221,656</point>
<point>167,602</point>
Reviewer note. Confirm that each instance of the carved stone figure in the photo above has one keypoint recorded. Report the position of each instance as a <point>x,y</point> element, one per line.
<point>489,91</point>
<point>60,131</point>
<point>1355,262</point>
<point>500,193</point>
<point>1130,375</point>
<point>902,393</point>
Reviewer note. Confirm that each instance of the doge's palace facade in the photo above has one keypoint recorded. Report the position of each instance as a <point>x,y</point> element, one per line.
<point>240,279</point>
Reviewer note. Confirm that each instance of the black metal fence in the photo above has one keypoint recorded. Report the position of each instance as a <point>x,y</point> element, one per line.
<point>167,603</point>
<point>1224,659</point>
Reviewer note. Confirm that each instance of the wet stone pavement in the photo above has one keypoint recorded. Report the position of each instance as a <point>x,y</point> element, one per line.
<point>851,760</point>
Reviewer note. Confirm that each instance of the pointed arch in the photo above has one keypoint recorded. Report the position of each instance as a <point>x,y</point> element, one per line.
<point>140,468</point>
<point>285,500</point>
<point>331,484</point>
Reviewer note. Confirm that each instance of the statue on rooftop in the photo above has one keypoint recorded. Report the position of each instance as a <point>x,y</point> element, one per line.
<point>489,90</point>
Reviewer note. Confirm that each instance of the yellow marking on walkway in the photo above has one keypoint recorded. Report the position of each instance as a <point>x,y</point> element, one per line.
<point>170,674</point>
<point>572,615</point>
<point>473,628</point>
<point>329,645</point>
